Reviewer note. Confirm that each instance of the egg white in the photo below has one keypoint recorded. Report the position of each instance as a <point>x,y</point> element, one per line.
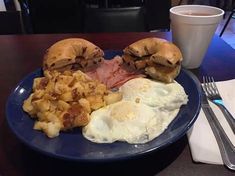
<point>155,94</point>
<point>147,109</point>
<point>124,121</point>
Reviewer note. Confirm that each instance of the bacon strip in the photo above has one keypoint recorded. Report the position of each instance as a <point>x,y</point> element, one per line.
<point>113,74</point>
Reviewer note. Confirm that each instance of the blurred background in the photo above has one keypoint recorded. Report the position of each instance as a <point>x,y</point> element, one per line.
<point>87,16</point>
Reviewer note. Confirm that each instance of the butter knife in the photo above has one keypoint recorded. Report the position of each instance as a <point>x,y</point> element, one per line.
<point>227,150</point>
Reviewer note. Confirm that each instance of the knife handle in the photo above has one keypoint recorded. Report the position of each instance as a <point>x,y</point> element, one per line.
<point>226,147</point>
<point>227,115</point>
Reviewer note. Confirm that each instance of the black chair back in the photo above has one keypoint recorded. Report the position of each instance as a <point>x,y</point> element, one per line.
<point>129,19</point>
<point>11,22</point>
<point>52,16</point>
<point>157,14</point>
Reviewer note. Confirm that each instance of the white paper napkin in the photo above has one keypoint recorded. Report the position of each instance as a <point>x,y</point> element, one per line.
<point>202,142</point>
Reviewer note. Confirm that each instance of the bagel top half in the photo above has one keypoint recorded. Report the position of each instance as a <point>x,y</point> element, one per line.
<point>160,59</point>
<point>65,53</point>
<point>144,47</point>
<point>160,51</point>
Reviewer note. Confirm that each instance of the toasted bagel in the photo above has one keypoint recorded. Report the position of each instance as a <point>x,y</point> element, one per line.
<point>159,58</point>
<point>65,53</point>
<point>144,47</point>
<point>163,73</point>
<point>160,50</point>
<point>169,55</point>
<point>135,62</point>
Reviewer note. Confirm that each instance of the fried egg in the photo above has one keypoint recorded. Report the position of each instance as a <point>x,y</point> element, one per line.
<point>168,96</point>
<point>146,110</point>
<point>126,121</point>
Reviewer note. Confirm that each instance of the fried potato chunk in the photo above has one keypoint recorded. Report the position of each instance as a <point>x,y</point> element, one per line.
<point>64,100</point>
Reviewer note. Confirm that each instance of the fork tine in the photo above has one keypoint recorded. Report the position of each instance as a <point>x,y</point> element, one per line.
<point>206,85</point>
<point>214,86</point>
<point>210,85</point>
<point>203,80</point>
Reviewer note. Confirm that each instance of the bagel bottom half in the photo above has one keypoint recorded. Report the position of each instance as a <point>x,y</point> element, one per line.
<point>163,73</point>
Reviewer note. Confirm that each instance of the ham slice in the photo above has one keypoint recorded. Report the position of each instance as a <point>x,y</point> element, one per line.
<point>112,73</point>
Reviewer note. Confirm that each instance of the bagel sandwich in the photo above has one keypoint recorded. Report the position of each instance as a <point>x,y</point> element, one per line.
<point>160,59</point>
<point>72,54</point>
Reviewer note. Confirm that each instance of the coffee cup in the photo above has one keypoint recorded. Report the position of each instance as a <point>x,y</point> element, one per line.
<point>193,27</point>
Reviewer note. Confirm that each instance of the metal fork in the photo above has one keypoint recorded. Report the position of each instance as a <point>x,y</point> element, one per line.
<point>227,150</point>
<point>213,95</point>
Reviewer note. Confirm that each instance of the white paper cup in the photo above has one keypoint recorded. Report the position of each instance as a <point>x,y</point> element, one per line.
<point>192,29</point>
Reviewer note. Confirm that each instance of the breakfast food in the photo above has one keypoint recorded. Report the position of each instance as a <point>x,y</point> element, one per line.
<point>123,121</point>
<point>160,59</point>
<point>154,93</point>
<point>110,100</point>
<point>145,111</point>
<point>72,54</point>
<point>64,100</point>
<point>112,74</point>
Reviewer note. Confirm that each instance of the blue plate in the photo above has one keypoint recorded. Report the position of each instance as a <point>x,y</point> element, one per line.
<point>73,146</point>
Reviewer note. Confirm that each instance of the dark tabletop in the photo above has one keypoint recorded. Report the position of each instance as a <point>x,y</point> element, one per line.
<point>20,55</point>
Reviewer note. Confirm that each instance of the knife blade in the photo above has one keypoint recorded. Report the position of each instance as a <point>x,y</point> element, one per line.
<point>227,150</point>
